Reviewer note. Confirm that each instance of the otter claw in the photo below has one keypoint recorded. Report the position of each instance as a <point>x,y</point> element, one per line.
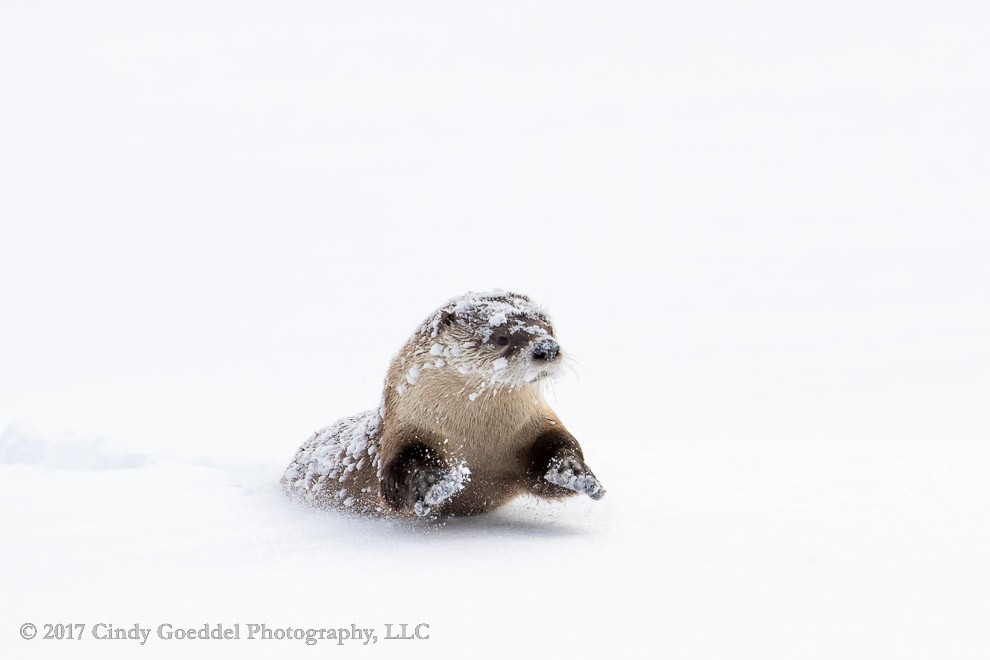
<point>573,474</point>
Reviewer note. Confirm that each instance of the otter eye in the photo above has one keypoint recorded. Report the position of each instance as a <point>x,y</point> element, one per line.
<point>502,340</point>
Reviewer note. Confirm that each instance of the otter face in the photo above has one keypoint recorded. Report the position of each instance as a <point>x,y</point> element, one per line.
<point>493,340</point>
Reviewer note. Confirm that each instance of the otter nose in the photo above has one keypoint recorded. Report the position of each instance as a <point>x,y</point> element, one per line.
<point>546,349</point>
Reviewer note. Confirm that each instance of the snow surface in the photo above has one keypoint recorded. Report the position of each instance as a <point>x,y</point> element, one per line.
<point>761,230</point>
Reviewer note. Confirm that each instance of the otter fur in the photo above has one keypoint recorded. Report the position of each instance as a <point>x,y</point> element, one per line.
<point>462,426</point>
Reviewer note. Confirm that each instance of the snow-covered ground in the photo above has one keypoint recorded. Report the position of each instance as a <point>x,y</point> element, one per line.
<point>761,231</point>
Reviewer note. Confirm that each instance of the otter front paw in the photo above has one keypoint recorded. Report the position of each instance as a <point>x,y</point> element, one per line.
<point>422,487</point>
<point>573,474</point>
<point>433,487</point>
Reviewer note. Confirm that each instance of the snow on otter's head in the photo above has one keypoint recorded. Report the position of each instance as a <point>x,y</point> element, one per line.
<point>491,341</point>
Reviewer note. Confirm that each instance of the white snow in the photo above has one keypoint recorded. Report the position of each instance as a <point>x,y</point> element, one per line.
<point>761,231</point>
<point>486,310</point>
<point>448,486</point>
<point>580,481</point>
<point>330,456</point>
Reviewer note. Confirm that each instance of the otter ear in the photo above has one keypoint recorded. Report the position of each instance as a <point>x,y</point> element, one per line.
<point>446,318</point>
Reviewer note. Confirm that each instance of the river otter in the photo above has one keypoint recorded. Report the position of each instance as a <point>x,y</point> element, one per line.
<point>462,426</point>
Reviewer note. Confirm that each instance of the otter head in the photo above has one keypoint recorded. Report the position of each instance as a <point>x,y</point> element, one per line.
<point>489,342</point>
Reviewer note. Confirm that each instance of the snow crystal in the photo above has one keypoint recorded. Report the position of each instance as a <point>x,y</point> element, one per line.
<point>499,364</point>
<point>488,310</point>
<point>335,452</point>
<point>567,474</point>
<point>448,485</point>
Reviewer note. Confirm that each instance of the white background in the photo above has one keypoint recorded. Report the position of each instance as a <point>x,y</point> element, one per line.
<point>761,231</point>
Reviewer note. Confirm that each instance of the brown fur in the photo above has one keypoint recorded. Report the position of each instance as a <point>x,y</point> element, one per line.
<point>491,434</point>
